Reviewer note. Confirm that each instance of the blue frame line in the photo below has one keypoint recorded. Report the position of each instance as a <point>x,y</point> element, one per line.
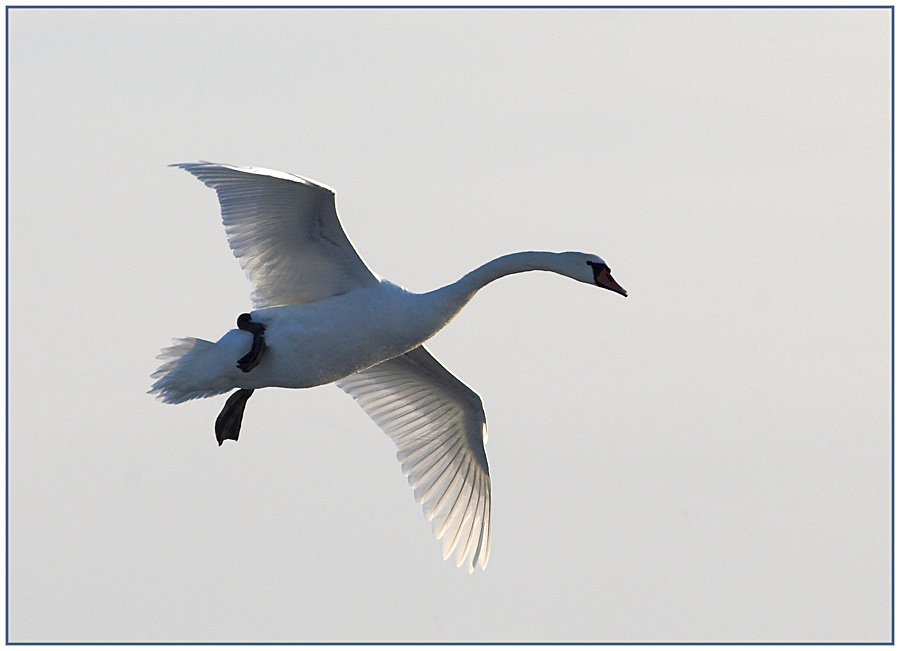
<point>893,345</point>
<point>465,6</point>
<point>455,6</point>
<point>572,644</point>
<point>6,303</point>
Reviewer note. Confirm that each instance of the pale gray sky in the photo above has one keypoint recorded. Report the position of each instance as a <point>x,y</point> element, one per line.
<point>706,460</point>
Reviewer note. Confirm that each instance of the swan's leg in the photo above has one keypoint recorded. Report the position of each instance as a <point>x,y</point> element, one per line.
<point>228,424</point>
<point>249,361</point>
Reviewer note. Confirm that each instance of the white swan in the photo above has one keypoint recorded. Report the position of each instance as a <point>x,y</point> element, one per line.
<point>322,316</point>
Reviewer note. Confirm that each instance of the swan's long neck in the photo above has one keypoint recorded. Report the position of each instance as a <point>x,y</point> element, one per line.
<point>452,298</point>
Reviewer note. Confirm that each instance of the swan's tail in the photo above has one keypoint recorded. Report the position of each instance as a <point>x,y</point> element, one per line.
<point>192,368</point>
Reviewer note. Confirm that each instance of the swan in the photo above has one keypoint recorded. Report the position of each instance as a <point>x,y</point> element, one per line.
<point>321,316</point>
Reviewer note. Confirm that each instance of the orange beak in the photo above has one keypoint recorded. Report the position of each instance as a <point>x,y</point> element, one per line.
<point>605,280</point>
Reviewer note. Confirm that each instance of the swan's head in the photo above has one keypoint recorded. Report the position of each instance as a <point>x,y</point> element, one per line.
<point>593,270</point>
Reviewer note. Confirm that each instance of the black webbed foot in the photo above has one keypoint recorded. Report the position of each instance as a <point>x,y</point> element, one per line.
<point>228,424</point>
<point>249,361</point>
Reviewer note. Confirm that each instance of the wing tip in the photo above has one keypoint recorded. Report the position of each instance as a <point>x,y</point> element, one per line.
<point>201,165</point>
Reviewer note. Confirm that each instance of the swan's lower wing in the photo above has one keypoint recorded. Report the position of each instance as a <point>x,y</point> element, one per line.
<point>285,232</point>
<point>438,425</point>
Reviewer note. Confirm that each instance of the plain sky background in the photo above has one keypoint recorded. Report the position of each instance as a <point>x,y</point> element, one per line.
<point>706,460</point>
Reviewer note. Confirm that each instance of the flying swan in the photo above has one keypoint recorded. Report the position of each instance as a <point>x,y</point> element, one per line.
<point>322,316</point>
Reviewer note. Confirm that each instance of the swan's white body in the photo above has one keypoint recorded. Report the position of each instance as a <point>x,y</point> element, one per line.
<point>310,344</point>
<point>329,319</point>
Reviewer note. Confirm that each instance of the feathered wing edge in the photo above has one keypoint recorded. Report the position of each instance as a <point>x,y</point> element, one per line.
<point>285,232</point>
<point>438,425</point>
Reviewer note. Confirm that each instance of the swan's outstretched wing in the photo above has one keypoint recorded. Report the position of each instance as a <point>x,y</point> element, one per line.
<point>438,425</point>
<point>285,232</point>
